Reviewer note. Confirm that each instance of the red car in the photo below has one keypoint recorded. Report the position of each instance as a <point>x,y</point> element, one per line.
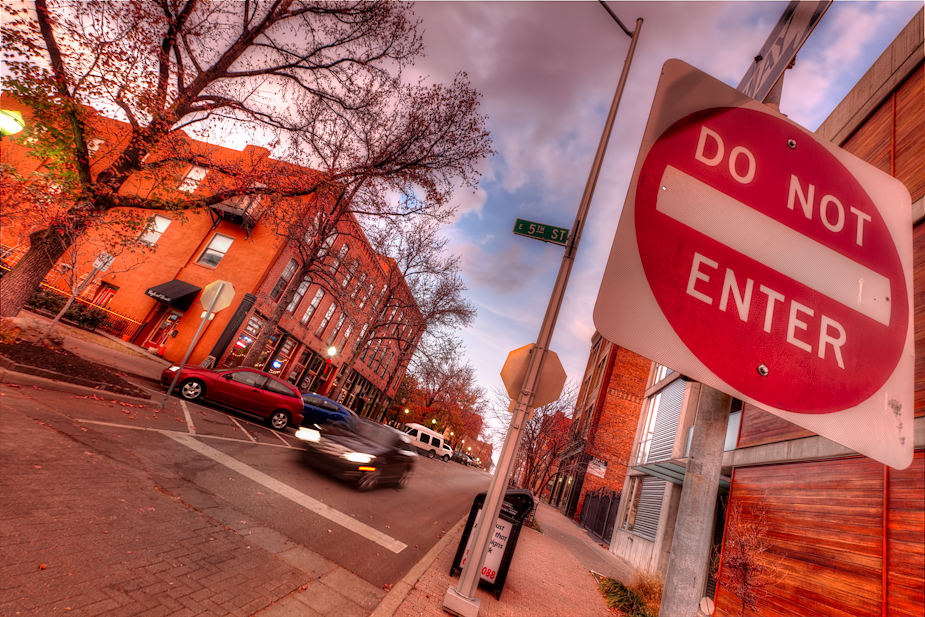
<point>246,389</point>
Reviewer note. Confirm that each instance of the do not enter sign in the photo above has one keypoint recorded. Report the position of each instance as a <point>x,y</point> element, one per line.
<point>769,265</point>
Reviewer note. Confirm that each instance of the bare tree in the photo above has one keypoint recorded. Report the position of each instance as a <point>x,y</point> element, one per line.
<point>320,79</point>
<point>544,435</point>
<point>747,567</point>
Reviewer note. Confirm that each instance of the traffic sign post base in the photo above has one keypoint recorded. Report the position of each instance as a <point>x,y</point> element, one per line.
<point>458,604</point>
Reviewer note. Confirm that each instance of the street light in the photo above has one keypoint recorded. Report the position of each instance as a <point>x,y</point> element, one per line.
<point>406,410</point>
<point>11,122</point>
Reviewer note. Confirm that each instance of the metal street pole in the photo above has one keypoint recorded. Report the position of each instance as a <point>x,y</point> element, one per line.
<point>193,344</point>
<point>461,599</point>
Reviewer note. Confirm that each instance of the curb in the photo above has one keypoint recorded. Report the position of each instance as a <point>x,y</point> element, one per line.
<point>27,379</point>
<point>390,603</point>
<point>15,367</point>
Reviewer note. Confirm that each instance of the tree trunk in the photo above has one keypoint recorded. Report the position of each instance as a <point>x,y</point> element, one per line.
<point>46,247</point>
<point>57,319</point>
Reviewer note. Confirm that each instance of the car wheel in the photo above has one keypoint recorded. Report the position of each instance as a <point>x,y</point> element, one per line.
<point>446,458</point>
<point>279,419</point>
<point>404,478</point>
<point>431,454</point>
<point>369,480</point>
<point>192,389</point>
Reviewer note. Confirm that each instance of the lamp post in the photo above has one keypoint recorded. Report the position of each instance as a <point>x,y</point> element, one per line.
<point>460,599</point>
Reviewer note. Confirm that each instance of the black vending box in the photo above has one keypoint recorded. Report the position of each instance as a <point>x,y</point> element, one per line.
<point>516,507</point>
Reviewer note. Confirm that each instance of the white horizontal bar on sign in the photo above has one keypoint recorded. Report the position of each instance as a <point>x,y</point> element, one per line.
<point>787,251</point>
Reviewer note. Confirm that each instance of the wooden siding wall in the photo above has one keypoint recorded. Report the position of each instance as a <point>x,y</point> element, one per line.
<point>891,139</point>
<point>826,531</point>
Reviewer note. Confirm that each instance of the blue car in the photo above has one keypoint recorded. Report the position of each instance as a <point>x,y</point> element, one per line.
<point>320,410</point>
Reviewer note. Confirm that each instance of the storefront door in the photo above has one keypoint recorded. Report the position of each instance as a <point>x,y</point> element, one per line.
<point>163,330</point>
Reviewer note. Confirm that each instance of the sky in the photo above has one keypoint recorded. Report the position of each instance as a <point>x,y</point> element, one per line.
<point>547,72</point>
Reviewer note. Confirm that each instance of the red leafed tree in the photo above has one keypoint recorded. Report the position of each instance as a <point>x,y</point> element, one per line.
<point>319,80</point>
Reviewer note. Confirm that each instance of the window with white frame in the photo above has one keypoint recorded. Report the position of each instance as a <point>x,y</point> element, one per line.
<point>349,274</point>
<point>648,430</point>
<point>284,279</point>
<point>192,179</point>
<point>369,292</point>
<point>327,318</point>
<point>347,334</point>
<point>329,241</point>
<point>362,334</point>
<point>312,307</point>
<point>661,372</point>
<point>360,282</point>
<point>94,145</point>
<point>340,258</point>
<point>336,330</point>
<point>216,250</point>
<point>386,364</point>
<point>156,226</point>
<point>299,293</point>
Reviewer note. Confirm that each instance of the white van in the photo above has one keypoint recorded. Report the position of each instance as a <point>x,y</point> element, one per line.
<point>428,442</point>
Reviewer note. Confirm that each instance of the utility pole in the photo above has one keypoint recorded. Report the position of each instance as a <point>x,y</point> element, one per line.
<point>460,600</point>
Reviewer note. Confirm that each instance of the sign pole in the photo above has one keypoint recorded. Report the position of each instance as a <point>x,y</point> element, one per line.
<point>189,350</point>
<point>693,532</point>
<point>461,600</point>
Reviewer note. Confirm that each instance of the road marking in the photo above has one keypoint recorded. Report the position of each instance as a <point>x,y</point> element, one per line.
<point>290,493</point>
<point>243,430</point>
<point>733,223</point>
<point>165,432</point>
<point>189,418</point>
<point>286,443</point>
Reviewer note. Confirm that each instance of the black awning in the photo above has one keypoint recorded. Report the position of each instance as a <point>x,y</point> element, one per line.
<point>175,293</point>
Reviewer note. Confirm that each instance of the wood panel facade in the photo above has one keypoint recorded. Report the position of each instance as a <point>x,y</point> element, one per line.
<point>845,537</point>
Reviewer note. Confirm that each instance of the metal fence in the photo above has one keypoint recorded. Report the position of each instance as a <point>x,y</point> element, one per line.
<point>109,321</point>
<point>599,513</point>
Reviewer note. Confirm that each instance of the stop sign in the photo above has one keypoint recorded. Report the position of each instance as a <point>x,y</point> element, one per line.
<point>767,264</point>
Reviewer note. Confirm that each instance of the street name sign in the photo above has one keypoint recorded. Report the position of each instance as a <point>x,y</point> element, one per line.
<point>792,29</point>
<point>768,264</point>
<point>546,233</point>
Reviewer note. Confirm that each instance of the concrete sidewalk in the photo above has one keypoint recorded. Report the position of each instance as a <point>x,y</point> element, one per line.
<point>116,541</point>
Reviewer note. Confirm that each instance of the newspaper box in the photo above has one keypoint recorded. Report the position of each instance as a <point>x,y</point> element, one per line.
<point>517,505</point>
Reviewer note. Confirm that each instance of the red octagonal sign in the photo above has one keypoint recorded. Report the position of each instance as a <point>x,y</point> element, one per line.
<point>770,270</point>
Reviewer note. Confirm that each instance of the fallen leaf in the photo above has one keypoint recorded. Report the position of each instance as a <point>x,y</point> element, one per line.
<point>42,566</point>
<point>13,385</point>
<point>37,466</point>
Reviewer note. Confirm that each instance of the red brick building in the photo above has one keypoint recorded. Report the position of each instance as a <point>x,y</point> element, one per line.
<point>603,426</point>
<point>156,301</point>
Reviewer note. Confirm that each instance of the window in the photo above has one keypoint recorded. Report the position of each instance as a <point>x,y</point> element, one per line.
<point>336,331</point>
<point>413,432</point>
<point>248,378</point>
<point>278,388</point>
<point>93,146</point>
<point>369,292</point>
<point>386,364</point>
<point>192,179</point>
<point>284,279</point>
<point>327,318</point>
<point>312,307</point>
<point>216,250</point>
<point>649,428</point>
<point>381,296</point>
<point>347,335</point>
<point>303,287</point>
<point>329,241</point>
<point>629,516</point>
<point>350,273</point>
<point>661,372</point>
<point>425,439</point>
<point>340,257</point>
<point>362,334</point>
<point>157,225</point>
<point>359,284</point>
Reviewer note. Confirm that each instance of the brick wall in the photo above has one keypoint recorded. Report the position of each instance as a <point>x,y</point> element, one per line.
<point>616,417</point>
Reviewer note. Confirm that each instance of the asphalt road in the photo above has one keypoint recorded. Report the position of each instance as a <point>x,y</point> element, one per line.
<point>211,458</point>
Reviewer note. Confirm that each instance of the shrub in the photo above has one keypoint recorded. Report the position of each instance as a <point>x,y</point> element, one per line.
<point>91,319</point>
<point>47,300</point>
<point>626,601</point>
<point>649,587</point>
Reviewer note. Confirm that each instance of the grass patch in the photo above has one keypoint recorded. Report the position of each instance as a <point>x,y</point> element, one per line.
<point>630,601</point>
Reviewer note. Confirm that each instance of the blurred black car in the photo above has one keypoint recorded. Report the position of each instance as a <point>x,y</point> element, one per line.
<point>359,450</point>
